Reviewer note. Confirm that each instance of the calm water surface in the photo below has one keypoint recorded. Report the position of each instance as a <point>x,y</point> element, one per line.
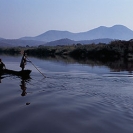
<point>73,98</point>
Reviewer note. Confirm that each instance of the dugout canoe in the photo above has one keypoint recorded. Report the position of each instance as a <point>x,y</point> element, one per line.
<point>23,73</point>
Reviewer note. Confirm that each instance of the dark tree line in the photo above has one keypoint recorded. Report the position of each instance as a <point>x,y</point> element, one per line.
<point>112,51</point>
<point>10,51</point>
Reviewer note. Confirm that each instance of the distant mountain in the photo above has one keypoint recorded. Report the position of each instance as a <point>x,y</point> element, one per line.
<point>19,42</point>
<point>115,32</point>
<point>61,42</point>
<point>71,42</point>
<point>51,35</point>
<point>3,44</point>
<point>101,34</point>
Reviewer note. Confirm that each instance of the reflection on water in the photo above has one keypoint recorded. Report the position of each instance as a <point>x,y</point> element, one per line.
<point>23,85</point>
<point>73,98</point>
<point>117,66</point>
<point>23,88</point>
<point>2,77</point>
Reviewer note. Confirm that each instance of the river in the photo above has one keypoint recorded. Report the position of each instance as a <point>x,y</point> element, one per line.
<point>72,98</point>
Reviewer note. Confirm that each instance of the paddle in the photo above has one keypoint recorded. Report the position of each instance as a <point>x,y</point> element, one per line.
<point>36,68</point>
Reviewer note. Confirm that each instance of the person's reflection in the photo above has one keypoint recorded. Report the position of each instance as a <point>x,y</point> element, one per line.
<point>1,78</point>
<point>23,87</point>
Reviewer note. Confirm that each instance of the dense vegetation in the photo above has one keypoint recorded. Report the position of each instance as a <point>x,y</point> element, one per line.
<point>10,51</point>
<point>113,51</point>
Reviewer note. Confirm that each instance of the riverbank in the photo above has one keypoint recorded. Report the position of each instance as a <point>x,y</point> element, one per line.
<point>113,51</point>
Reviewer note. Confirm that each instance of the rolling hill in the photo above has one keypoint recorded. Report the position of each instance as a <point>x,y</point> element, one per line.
<point>19,42</point>
<point>115,32</point>
<point>67,41</point>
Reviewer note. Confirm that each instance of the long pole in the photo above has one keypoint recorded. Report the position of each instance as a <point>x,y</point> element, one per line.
<point>36,68</point>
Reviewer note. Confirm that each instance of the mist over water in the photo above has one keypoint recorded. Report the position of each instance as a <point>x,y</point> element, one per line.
<point>73,98</point>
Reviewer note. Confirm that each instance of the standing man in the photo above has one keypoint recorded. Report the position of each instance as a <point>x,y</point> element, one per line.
<point>23,61</point>
<point>2,65</point>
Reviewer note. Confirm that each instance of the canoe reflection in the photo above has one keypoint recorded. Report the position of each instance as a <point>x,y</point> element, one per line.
<point>22,84</point>
<point>2,77</point>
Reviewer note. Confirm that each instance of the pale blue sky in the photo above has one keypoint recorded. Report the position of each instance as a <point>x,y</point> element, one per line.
<point>19,18</point>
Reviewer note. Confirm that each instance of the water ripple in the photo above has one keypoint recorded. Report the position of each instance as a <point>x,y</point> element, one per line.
<point>68,102</point>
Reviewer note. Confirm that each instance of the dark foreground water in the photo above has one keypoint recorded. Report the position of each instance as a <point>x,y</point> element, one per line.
<point>73,98</point>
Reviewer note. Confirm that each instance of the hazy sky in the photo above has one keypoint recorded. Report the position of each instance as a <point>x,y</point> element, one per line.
<point>19,18</point>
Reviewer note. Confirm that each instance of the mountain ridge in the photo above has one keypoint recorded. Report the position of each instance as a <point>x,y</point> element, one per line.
<point>101,34</point>
<point>115,32</point>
